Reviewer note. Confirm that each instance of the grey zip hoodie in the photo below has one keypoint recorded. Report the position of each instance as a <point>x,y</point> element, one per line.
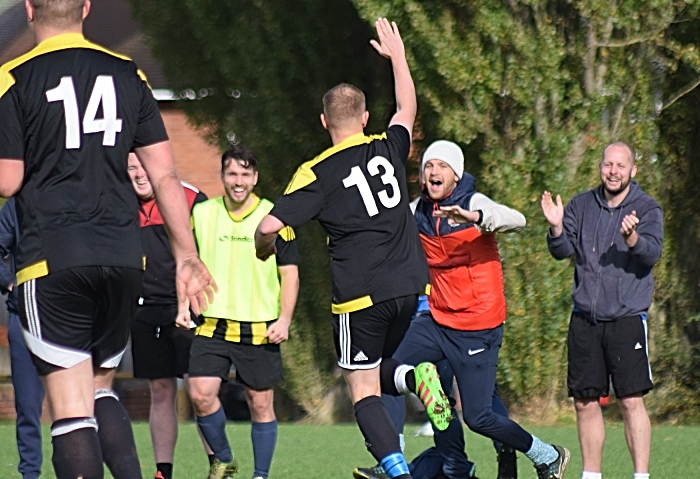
<point>611,281</point>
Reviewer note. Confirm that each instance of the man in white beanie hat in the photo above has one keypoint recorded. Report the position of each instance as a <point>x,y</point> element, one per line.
<point>467,301</point>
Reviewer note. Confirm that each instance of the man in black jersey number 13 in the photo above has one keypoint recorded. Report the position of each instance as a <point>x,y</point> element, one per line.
<point>357,191</point>
<point>70,112</point>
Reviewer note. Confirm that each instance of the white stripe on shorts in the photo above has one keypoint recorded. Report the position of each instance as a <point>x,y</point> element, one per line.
<point>345,338</point>
<point>31,309</point>
<point>53,353</point>
<point>113,362</point>
<point>646,344</point>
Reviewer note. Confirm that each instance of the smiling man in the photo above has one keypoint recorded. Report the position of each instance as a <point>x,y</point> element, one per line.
<point>250,318</point>
<point>615,232</point>
<point>467,306</point>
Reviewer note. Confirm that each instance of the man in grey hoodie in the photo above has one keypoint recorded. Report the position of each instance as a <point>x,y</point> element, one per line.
<point>615,232</point>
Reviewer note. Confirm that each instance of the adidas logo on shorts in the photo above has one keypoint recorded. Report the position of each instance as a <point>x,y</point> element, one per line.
<point>360,357</point>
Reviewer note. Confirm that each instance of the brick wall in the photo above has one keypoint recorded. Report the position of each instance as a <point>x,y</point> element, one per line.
<point>197,161</point>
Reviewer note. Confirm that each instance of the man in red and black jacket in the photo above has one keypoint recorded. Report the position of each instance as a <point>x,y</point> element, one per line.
<point>160,350</point>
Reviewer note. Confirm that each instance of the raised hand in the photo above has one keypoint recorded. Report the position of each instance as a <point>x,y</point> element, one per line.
<point>553,212</point>
<point>390,44</point>
<point>456,215</point>
<point>628,229</point>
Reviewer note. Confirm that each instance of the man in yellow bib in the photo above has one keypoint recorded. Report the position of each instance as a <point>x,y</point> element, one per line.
<point>250,318</point>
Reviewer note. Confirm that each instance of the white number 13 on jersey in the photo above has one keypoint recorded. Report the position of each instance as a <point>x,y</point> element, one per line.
<point>103,92</point>
<point>357,178</point>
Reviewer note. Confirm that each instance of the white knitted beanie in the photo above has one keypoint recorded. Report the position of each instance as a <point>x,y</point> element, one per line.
<point>446,151</point>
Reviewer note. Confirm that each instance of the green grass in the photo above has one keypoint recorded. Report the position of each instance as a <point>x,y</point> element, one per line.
<point>331,452</point>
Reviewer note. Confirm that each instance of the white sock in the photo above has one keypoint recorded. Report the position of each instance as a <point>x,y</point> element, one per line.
<point>402,442</point>
<point>400,378</point>
<point>641,475</point>
<point>591,475</point>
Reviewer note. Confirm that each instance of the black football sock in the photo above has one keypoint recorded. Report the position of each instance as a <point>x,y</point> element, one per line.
<point>76,449</point>
<point>116,436</point>
<point>381,436</point>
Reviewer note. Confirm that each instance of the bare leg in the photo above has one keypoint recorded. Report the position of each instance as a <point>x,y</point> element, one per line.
<point>199,431</point>
<point>637,430</point>
<point>163,419</point>
<point>591,432</point>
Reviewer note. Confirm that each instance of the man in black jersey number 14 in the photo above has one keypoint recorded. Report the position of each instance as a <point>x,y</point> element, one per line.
<point>70,113</point>
<point>357,191</point>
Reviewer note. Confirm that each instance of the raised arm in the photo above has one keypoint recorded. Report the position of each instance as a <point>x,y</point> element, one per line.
<point>391,46</point>
<point>194,283</point>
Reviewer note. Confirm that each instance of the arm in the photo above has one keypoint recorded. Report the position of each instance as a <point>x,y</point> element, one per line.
<point>644,235</point>
<point>289,290</point>
<point>194,283</point>
<point>265,236</point>
<point>562,246</point>
<point>486,214</point>
<point>391,46</point>
<point>11,176</point>
<point>8,226</point>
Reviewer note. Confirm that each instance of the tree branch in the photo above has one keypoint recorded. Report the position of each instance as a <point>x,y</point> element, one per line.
<point>680,93</point>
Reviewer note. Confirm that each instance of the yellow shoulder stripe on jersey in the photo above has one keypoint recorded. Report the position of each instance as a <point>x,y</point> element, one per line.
<point>143,262</point>
<point>304,176</point>
<point>33,271</point>
<point>6,80</point>
<point>237,217</point>
<point>287,234</point>
<point>53,44</point>
<point>350,306</point>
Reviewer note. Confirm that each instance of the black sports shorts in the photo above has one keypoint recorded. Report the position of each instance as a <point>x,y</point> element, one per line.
<point>159,348</point>
<point>362,338</point>
<point>609,349</point>
<point>257,366</point>
<point>77,314</point>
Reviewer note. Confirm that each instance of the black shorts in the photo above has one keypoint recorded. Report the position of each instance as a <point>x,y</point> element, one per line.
<point>609,349</point>
<point>362,338</point>
<point>158,347</point>
<point>79,313</point>
<point>257,366</point>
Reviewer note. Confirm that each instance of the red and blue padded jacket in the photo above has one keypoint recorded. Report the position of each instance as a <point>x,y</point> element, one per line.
<point>466,290</point>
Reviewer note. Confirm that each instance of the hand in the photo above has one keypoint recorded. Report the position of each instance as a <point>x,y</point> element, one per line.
<point>183,320</point>
<point>628,230</point>
<point>456,215</point>
<point>554,213</point>
<point>265,253</point>
<point>390,44</point>
<point>194,284</point>
<point>278,332</point>
<point>10,286</point>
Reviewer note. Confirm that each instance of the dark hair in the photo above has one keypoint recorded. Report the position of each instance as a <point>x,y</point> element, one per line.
<point>244,156</point>
<point>633,154</point>
<point>343,104</point>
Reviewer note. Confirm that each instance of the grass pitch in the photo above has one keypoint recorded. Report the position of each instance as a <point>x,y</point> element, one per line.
<point>331,452</point>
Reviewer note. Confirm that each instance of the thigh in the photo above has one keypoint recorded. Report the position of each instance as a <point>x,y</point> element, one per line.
<point>258,366</point>
<point>360,336</point>
<point>421,343</point>
<point>116,308</point>
<point>57,313</point>
<point>152,348</point>
<point>210,357</point>
<point>587,374</point>
<point>626,352</point>
<point>473,356</point>
<point>399,324</point>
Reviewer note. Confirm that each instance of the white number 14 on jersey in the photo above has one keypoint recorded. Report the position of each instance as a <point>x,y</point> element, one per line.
<point>102,93</point>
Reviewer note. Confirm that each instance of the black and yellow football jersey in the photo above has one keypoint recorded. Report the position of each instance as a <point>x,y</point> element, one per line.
<point>357,192</point>
<point>72,111</point>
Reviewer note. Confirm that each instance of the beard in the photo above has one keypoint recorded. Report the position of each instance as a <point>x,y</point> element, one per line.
<point>624,182</point>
